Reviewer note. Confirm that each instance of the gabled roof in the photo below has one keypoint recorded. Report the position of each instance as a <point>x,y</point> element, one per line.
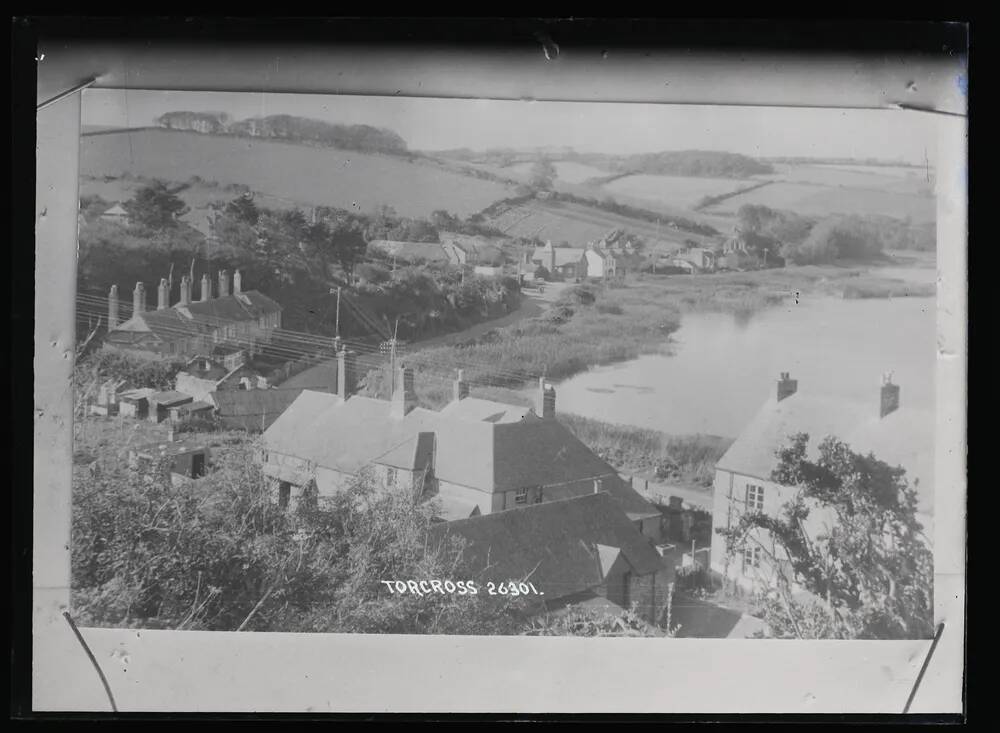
<point>345,435</point>
<point>555,544</point>
<point>170,398</point>
<point>904,437</point>
<point>563,255</point>
<point>479,410</point>
<point>410,250</point>
<point>116,210</point>
<point>252,409</point>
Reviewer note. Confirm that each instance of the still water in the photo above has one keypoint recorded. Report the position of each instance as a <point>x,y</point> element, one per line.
<point>722,367</point>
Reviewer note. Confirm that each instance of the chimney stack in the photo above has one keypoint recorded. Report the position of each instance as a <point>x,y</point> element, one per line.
<point>598,485</point>
<point>460,388</point>
<point>206,288</point>
<point>786,386</point>
<point>185,291</point>
<point>890,396</point>
<point>404,396</point>
<point>223,283</point>
<point>113,308</point>
<point>347,373</point>
<point>138,299</point>
<point>546,407</point>
<point>162,294</point>
<point>170,431</point>
<point>237,282</point>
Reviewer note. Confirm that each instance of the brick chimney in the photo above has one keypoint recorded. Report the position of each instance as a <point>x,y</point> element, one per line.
<point>347,373</point>
<point>223,283</point>
<point>162,294</point>
<point>237,282</point>
<point>546,406</point>
<point>206,288</point>
<point>786,386</point>
<point>890,396</point>
<point>404,396</point>
<point>185,291</point>
<point>113,308</point>
<point>460,388</point>
<point>138,299</point>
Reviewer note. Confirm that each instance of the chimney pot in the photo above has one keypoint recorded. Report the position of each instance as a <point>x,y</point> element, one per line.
<point>786,386</point>
<point>223,283</point>
<point>460,388</point>
<point>185,291</point>
<point>162,294</point>
<point>546,407</point>
<point>206,288</point>
<point>139,298</point>
<point>113,307</point>
<point>347,373</point>
<point>404,396</point>
<point>889,402</point>
<point>237,282</point>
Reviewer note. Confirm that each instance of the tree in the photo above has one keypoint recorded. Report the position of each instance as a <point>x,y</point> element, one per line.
<point>220,554</point>
<point>244,210</point>
<point>850,537</point>
<point>155,207</point>
<point>543,175</point>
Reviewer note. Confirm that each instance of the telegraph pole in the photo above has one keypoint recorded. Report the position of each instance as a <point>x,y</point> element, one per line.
<point>337,331</point>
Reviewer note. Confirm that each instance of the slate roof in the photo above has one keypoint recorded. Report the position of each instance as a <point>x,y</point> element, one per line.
<point>345,435</point>
<point>564,255</point>
<point>553,544</point>
<point>904,437</point>
<point>170,398</point>
<point>250,409</point>
<point>195,318</point>
<point>478,410</point>
<point>432,251</point>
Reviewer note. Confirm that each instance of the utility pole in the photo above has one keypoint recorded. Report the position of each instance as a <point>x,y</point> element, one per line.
<point>337,327</point>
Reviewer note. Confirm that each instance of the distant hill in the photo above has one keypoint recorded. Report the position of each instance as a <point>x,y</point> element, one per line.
<point>289,128</point>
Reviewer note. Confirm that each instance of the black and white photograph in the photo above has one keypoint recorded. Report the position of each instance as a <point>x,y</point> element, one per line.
<point>399,366</point>
<point>356,364</point>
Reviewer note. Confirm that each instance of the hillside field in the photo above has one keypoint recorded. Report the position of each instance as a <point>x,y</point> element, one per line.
<point>303,174</point>
<point>579,224</point>
<point>680,191</point>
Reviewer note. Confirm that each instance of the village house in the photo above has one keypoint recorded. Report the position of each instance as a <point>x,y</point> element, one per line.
<point>579,552</point>
<point>186,459</point>
<point>698,259</point>
<point>563,263</point>
<point>474,456</point>
<point>116,215</point>
<point>203,375</point>
<point>251,410</point>
<point>161,403</point>
<point>191,328</point>
<point>899,436</point>
<point>412,252</point>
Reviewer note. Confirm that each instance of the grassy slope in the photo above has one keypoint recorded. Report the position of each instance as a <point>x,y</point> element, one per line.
<point>307,175</point>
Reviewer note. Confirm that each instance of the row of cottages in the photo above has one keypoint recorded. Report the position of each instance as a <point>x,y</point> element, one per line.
<point>190,328</point>
<point>474,457</point>
<point>581,552</point>
<point>899,436</point>
<point>574,263</point>
<point>451,251</point>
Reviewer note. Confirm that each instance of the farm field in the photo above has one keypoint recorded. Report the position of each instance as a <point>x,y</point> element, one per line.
<point>571,172</point>
<point>680,191</point>
<point>810,199</point>
<point>578,224</point>
<point>849,177</point>
<point>299,174</point>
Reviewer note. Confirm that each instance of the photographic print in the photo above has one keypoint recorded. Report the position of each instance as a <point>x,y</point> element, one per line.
<point>388,365</point>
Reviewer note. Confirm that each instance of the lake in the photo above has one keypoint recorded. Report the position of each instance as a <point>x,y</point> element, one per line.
<point>722,368</point>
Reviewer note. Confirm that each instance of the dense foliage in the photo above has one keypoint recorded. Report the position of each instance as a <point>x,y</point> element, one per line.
<point>219,554</point>
<point>289,127</point>
<point>869,570</point>
<point>156,206</point>
<point>704,163</point>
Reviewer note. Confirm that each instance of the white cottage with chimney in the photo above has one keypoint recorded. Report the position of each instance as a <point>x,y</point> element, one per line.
<point>897,435</point>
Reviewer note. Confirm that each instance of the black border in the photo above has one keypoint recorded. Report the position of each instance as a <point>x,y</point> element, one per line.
<point>928,38</point>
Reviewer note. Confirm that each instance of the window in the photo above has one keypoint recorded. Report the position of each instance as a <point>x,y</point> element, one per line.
<point>751,558</point>
<point>521,497</point>
<point>390,476</point>
<point>538,495</point>
<point>755,498</point>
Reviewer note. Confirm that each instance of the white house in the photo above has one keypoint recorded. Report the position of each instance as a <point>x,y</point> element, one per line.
<point>898,436</point>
